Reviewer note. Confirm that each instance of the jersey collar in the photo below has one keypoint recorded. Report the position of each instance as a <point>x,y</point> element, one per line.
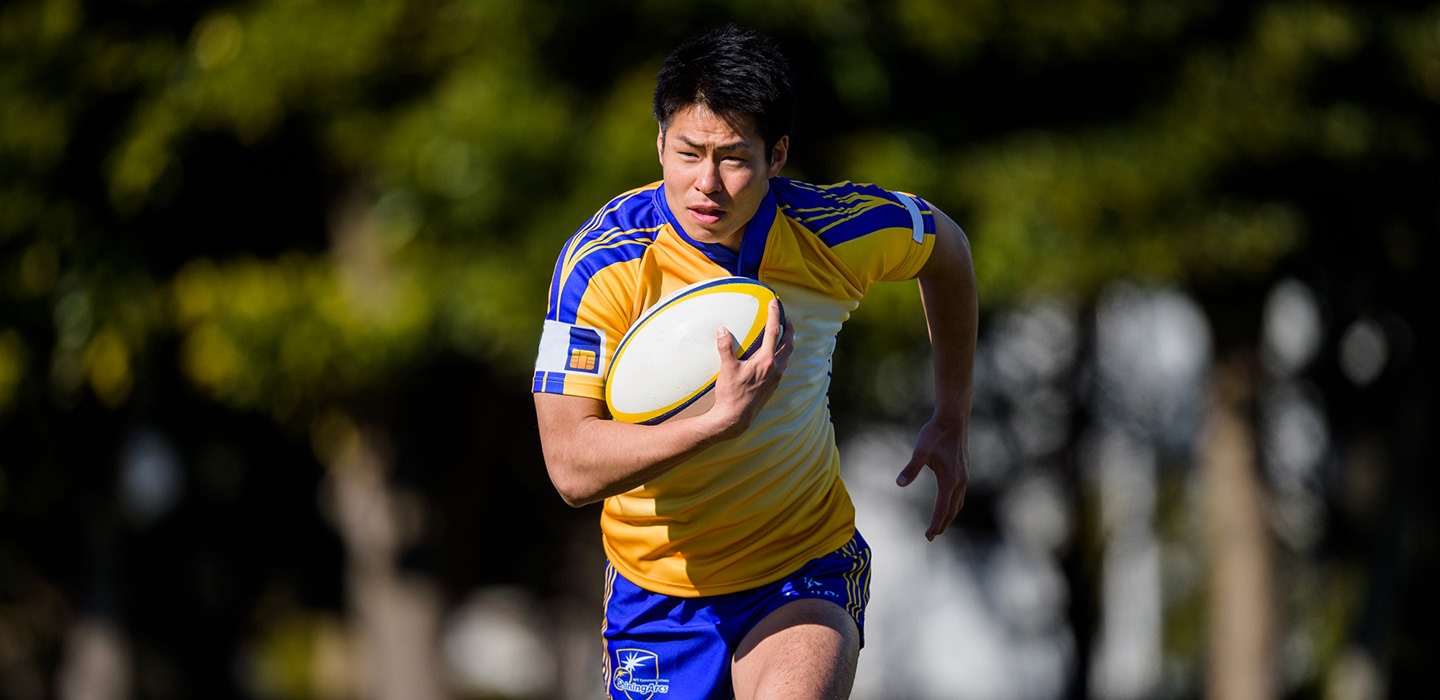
<point>746,263</point>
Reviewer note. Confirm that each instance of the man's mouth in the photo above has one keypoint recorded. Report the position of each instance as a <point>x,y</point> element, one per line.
<point>707,215</point>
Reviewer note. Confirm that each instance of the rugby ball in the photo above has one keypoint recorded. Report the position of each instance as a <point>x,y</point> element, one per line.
<point>666,364</point>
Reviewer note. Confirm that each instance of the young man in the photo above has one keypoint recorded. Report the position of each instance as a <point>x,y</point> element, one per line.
<point>735,567</point>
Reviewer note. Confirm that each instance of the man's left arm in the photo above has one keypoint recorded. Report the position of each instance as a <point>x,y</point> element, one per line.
<point>947,291</point>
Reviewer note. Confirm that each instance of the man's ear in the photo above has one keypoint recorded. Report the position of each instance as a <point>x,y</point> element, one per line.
<point>660,144</point>
<point>778,154</point>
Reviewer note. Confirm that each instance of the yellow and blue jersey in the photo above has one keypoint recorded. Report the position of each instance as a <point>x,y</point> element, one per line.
<point>750,510</point>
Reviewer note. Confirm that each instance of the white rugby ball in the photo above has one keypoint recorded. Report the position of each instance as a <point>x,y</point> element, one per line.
<point>666,364</point>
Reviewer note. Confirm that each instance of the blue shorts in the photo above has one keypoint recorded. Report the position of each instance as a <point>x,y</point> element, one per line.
<point>660,647</point>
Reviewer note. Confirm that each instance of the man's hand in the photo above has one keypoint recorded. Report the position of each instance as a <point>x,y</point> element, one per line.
<point>745,385</point>
<point>941,446</point>
<point>947,292</point>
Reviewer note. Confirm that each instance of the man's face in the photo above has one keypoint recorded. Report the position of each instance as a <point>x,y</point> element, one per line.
<point>715,173</point>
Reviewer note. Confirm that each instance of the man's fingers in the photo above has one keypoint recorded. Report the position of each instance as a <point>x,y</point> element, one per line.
<point>911,470</point>
<point>938,517</point>
<point>772,340</point>
<point>957,501</point>
<point>725,345</point>
<point>949,496</point>
<point>776,342</point>
<point>947,506</point>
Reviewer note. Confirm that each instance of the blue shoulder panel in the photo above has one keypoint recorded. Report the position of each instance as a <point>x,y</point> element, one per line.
<point>620,232</point>
<point>843,211</point>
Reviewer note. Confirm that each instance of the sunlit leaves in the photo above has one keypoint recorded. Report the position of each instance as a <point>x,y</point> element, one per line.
<point>1063,210</point>
<point>1066,214</point>
<point>281,335</point>
<point>462,143</point>
<point>949,31</point>
<point>476,151</point>
<point>437,104</point>
<point>276,334</point>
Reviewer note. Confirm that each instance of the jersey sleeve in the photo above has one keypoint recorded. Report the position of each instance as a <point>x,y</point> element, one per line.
<point>589,307</point>
<point>895,243</point>
<point>880,235</point>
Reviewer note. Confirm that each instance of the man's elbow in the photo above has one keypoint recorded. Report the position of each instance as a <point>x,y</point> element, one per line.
<point>578,500</point>
<point>572,488</point>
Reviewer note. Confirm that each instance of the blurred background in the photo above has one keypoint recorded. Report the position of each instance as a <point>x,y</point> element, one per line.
<point>272,276</point>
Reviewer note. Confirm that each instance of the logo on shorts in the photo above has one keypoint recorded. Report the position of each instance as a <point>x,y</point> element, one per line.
<point>637,674</point>
<point>808,586</point>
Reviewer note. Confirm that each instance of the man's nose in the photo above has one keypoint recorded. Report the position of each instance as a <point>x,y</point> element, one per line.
<point>708,178</point>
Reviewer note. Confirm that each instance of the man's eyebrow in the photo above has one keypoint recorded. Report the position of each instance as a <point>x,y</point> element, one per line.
<point>737,146</point>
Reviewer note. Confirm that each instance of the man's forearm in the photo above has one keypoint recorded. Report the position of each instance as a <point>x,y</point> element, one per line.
<point>590,457</point>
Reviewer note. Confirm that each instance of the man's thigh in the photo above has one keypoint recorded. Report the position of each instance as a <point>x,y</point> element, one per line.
<point>807,646</point>
<point>805,649</point>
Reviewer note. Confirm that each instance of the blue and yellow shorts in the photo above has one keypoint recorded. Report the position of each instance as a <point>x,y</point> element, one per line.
<point>660,647</point>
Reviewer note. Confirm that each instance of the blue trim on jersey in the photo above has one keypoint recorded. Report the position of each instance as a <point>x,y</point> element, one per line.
<point>828,213</point>
<point>554,383</point>
<point>752,243</point>
<point>578,281</point>
<point>757,235</point>
<point>548,382</point>
<point>620,233</point>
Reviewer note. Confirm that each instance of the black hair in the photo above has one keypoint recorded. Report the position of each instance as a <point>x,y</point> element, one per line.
<point>734,72</point>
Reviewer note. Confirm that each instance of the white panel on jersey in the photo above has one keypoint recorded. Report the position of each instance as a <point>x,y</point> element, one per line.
<point>572,349</point>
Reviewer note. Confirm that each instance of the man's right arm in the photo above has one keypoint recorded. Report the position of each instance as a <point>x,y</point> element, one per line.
<point>591,457</point>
